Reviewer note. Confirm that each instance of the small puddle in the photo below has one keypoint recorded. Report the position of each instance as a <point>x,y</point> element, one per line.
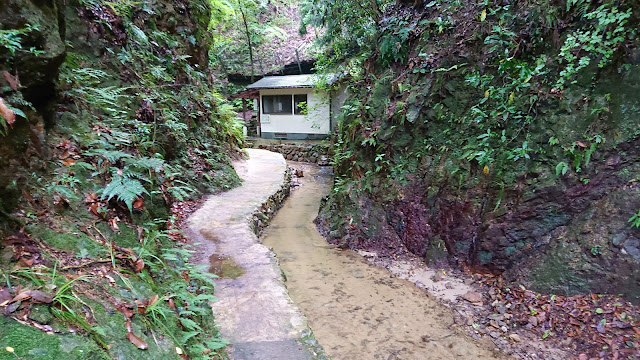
<point>224,267</point>
<point>356,310</point>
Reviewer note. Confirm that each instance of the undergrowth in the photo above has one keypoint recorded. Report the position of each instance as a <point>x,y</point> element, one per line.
<point>138,130</point>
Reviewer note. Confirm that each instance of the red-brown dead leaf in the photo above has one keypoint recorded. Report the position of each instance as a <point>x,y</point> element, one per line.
<point>582,145</point>
<point>94,208</point>
<point>12,80</point>
<point>140,234</point>
<point>113,223</point>
<point>8,114</point>
<point>153,300</point>
<point>41,297</point>
<point>138,204</point>
<point>128,324</point>
<point>128,313</point>
<point>36,295</point>
<point>139,343</point>
<point>65,144</point>
<point>139,265</point>
<point>21,296</point>
<point>26,262</point>
<point>90,197</point>
<point>172,305</point>
<point>68,162</point>
<point>141,306</point>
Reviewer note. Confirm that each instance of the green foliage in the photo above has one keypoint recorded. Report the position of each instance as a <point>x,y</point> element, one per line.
<point>439,119</point>
<point>597,42</point>
<point>393,43</point>
<point>503,113</point>
<point>562,168</point>
<point>12,39</point>
<point>350,28</point>
<point>635,219</point>
<point>192,298</point>
<point>125,189</point>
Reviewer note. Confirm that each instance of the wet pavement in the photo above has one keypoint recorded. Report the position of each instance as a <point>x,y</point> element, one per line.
<point>254,311</point>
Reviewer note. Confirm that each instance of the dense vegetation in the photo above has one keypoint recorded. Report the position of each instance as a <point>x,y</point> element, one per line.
<point>500,135</point>
<point>111,122</point>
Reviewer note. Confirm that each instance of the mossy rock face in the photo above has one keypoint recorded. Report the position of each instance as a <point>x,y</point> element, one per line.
<point>562,233</point>
<point>37,73</point>
<point>30,343</point>
<point>70,239</point>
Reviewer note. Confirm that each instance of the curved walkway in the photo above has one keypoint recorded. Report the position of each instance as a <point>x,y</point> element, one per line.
<point>254,311</point>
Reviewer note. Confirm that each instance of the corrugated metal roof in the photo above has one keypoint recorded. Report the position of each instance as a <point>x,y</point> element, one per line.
<point>289,81</point>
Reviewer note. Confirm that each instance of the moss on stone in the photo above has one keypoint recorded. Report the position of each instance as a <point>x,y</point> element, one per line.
<point>72,240</point>
<point>30,343</point>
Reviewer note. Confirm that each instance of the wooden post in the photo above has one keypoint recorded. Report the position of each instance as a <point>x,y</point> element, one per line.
<point>259,129</point>
<point>244,110</point>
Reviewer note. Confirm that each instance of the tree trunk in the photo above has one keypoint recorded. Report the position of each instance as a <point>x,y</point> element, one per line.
<point>246,30</point>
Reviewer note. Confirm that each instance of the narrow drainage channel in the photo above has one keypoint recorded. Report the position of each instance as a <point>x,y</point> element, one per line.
<point>357,311</point>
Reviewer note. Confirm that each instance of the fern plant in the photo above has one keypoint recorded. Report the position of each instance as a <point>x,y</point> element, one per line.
<point>125,189</point>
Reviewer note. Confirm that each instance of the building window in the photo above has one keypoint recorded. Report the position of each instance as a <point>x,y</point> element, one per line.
<point>285,104</point>
<point>300,104</point>
<point>277,104</point>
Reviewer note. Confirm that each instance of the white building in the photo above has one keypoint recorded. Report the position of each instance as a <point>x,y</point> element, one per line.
<point>291,108</point>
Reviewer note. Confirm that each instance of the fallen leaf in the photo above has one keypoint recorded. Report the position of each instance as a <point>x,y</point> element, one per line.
<point>128,324</point>
<point>113,223</point>
<point>68,162</point>
<point>26,262</point>
<point>582,145</point>
<point>140,234</point>
<point>139,265</point>
<point>13,81</point>
<point>128,313</point>
<point>36,295</point>
<point>22,296</point>
<point>472,296</point>
<point>41,297</point>
<point>515,338</point>
<point>8,114</point>
<point>90,197</point>
<point>94,208</point>
<point>138,204</point>
<point>142,307</point>
<point>153,299</point>
<point>139,343</point>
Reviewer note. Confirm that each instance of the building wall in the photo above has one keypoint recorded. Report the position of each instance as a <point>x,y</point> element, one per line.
<point>316,122</point>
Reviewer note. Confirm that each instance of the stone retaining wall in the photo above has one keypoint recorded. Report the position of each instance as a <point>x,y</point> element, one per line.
<point>268,209</point>
<point>316,153</point>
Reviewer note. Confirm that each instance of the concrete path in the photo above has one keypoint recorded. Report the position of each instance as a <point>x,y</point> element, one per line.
<point>254,311</point>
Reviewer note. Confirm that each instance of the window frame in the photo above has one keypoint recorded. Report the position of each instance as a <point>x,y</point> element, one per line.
<point>290,112</point>
<point>294,110</point>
